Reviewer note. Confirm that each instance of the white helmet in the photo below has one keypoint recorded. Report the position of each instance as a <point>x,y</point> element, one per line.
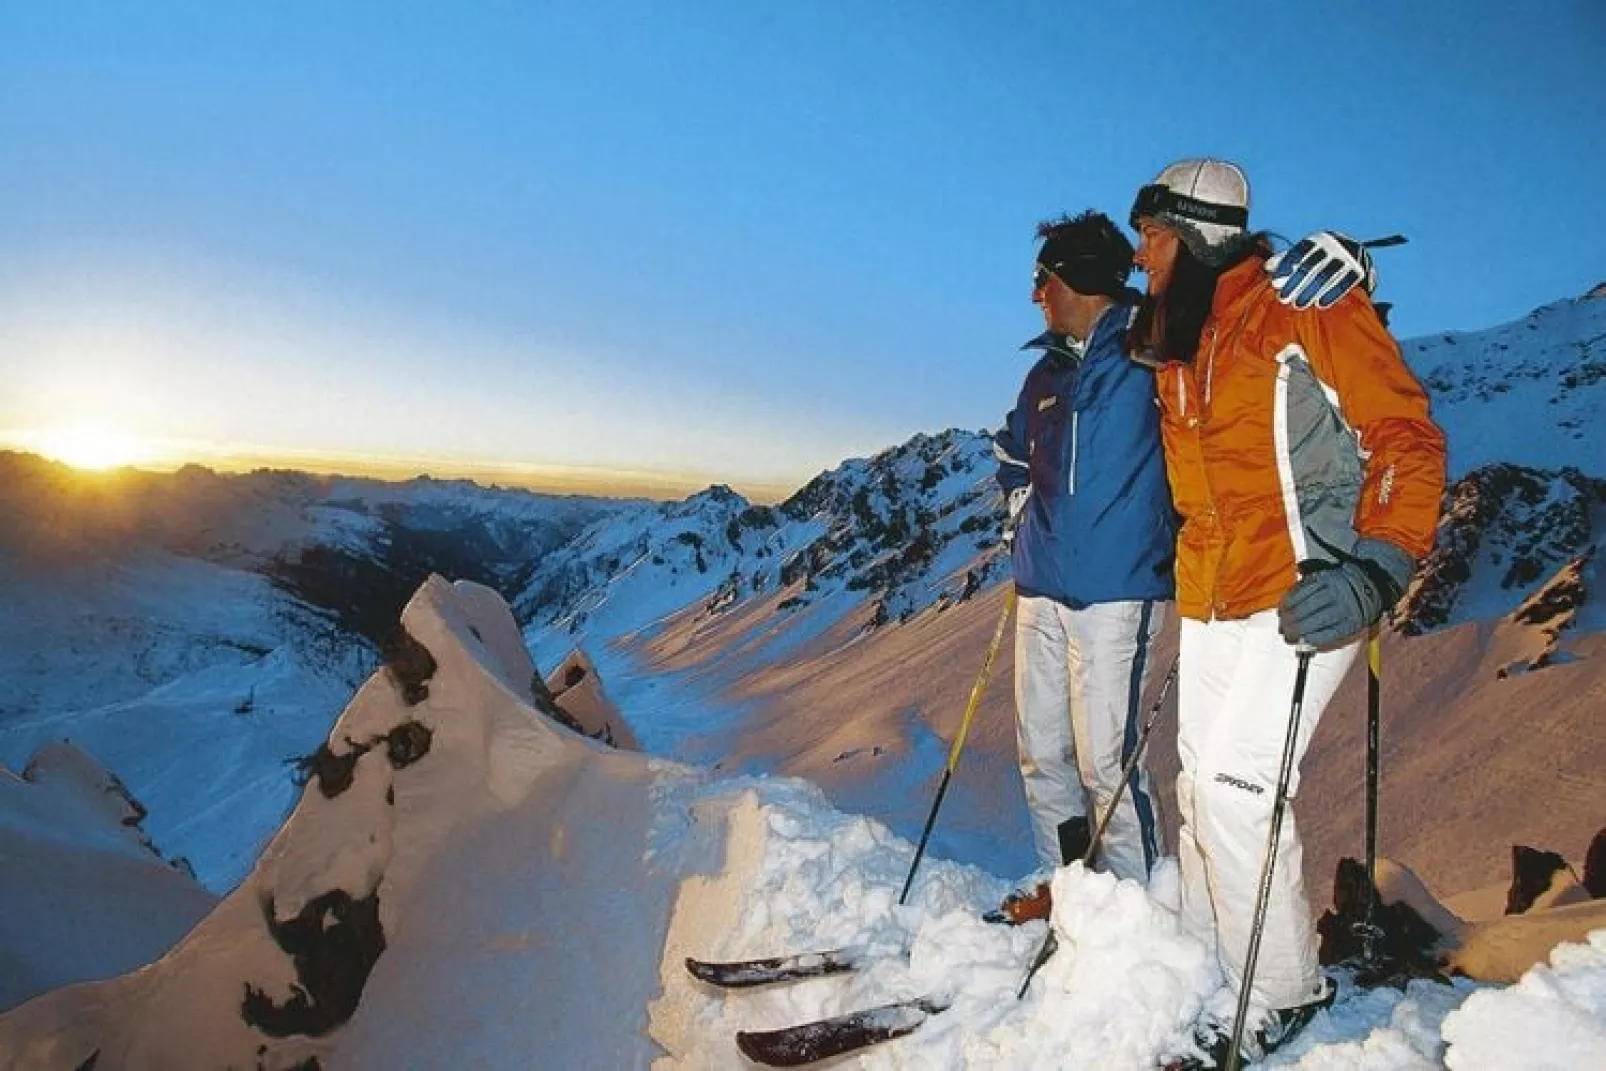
<point>1206,200</point>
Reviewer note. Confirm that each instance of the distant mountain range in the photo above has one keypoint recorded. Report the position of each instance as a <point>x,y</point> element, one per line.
<point>194,630</point>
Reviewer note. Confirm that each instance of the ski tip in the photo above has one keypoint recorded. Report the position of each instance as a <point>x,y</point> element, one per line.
<point>753,1047</point>
<point>806,1043</point>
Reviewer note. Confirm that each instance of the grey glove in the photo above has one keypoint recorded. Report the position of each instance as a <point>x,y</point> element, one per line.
<point>1017,507</point>
<point>1320,269</point>
<point>1333,601</point>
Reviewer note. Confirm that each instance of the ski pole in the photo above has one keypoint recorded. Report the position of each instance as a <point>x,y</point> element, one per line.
<point>1279,804</point>
<point>959,739</point>
<point>1374,717</point>
<point>1051,943</point>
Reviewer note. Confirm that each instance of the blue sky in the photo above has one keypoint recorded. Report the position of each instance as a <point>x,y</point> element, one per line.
<point>740,240</point>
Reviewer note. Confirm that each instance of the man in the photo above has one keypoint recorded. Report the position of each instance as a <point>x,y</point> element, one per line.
<point>1081,465</point>
<point>1308,474</point>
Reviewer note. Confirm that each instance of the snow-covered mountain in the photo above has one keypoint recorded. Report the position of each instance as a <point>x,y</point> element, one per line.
<point>197,633</point>
<point>900,532</point>
<point>911,528</point>
<point>1526,393</point>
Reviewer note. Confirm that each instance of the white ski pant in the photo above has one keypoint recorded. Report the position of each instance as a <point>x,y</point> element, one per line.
<point>1236,694</point>
<point>1079,679</point>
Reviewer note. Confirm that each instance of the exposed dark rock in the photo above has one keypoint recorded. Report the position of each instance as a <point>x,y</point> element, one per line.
<point>1531,872</point>
<point>404,745</point>
<point>1595,866</point>
<point>407,743</point>
<point>1560,598</point>
<point>1405,946</point>
<point>565,719</point>
<point>333,773</point>
<point>539,692</point>
<point>1526,522</point>
<point>333,943</point>
<point>409,663</point>
<point>972,584</point>
<point>366,588</point>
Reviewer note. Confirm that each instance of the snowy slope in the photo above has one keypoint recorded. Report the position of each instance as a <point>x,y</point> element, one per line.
<point>1531,392</point>
<point>98,899</point>
<point>465,883</point>
<point>859,550</point>
<point>197,633</point>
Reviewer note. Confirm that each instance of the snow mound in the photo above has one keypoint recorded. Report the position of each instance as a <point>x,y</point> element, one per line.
<point>442,790</point>
<point>584,705</point>
<point>86,895</point>
<point>1554,1017</point>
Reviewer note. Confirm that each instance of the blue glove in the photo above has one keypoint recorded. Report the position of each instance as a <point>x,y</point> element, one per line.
<point>1320,269</point>
<point>1334,600</point>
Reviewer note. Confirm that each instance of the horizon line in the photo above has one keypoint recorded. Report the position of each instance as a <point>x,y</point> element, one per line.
<point>593,480</point>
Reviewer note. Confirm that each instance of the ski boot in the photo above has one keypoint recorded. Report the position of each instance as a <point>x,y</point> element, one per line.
<point>1212,1036</point>
<point>1030,905</point>
<point>1023,906</point>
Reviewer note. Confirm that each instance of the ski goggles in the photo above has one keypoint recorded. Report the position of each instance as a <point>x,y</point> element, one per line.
<point>1086,273</point>
<point>1158,201</point>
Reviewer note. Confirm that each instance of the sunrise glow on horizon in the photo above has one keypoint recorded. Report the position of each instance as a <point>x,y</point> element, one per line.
<point>99,449</point>
<point>87,446</point>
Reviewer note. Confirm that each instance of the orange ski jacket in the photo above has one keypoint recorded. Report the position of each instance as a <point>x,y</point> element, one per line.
<point>1288,425</point>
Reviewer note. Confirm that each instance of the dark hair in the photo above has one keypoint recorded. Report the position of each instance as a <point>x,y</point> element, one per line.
<point>1088,252</point>
<point>1168,328</point>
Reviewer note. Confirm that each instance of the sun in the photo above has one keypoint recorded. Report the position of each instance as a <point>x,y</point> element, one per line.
<point>89,447</point>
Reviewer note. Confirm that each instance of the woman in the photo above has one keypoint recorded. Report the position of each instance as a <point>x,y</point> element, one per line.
<point>1308,474</point>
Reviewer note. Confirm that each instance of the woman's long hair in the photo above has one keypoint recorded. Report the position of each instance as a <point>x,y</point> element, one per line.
<point>1167,328</point>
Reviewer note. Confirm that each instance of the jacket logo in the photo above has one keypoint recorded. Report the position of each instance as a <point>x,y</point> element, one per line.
<point>1238,782</point>
<point>1048,403</point>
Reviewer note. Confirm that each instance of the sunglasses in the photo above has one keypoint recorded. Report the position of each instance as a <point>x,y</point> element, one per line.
<point>1040,277</point>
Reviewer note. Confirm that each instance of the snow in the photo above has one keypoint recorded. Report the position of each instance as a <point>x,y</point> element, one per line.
<point>1554,1017</point>
<point>220,782</point>
<point>1531,392</point>
<point>96,901</point>
<point>538,891</point>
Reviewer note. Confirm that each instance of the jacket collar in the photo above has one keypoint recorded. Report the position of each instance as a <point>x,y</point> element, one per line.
<point>1236,286</point>
<point>1055,344</point>
<point>1110,322</point>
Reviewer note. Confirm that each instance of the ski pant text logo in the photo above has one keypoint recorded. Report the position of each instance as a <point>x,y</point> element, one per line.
<point>1238,782</point>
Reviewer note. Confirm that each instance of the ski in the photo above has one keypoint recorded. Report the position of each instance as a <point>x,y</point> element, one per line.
<point>744,973</point>
<point>804,1043</point>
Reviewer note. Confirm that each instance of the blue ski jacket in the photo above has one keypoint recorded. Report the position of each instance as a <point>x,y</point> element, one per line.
<point>1085,436</point>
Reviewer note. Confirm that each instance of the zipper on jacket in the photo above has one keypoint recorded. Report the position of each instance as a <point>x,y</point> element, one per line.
<point>1070,481</point>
